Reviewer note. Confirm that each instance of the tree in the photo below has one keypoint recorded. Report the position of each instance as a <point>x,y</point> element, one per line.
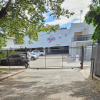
<point>93,17</point>
<point>19,18</point>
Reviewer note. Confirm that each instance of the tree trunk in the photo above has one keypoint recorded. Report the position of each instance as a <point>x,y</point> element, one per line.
<point>3,11</point>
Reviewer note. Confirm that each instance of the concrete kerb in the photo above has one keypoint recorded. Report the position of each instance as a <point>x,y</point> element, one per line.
<point>85,71</point>
<point>4,77</point>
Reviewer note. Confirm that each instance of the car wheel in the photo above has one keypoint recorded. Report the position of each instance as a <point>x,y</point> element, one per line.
<point>32,58</point>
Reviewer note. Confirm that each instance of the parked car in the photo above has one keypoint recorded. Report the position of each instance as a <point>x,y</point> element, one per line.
<point>38,52</point>
<point>30,55</point>
<point>15,59</point>
<point>42,53</point>
<point>24,55</point>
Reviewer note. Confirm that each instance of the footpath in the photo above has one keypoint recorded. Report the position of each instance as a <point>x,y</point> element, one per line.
<point>9,72</point>
<point>14,71</point>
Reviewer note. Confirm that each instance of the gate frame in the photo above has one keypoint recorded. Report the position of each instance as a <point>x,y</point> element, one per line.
<point>82,56</point>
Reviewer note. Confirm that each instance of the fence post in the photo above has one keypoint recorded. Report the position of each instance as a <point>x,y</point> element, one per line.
<point>62,58</point>
<point>82,58</point>
<point>8,59</point>
<point>91,60</point>
<point>45,58</point>
<point>26,52</point>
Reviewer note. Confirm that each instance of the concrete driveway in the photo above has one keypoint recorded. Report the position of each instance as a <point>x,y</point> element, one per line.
<point>46,84</point>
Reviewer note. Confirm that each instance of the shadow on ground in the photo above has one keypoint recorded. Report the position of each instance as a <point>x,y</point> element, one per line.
<point>20,90</point>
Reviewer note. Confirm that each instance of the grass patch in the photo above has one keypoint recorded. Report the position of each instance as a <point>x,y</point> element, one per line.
<point>4,70</point>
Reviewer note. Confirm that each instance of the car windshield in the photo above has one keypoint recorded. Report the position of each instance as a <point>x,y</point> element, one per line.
<point>32,53</point>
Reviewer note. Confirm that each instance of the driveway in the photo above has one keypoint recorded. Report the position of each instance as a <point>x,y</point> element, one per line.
<point>46,84</point>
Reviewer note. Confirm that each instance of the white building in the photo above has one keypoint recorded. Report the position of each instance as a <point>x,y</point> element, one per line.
<point>82,33</point>
<point>78,35</point>
<point>62,37</point>
<point>10,44</point>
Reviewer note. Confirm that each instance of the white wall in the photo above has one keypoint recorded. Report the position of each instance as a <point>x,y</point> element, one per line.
<point>78,27</point>
<point>43,42</point>
<point>65,40</point>
<point>17,46</point>
<point>10,43</point>
<point>91,29</point>
<point>88,52</point>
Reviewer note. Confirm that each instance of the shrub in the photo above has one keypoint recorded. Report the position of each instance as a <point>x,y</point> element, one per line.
<point>3,55</point>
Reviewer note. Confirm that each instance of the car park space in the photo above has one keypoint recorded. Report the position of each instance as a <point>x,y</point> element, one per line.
<point>55,61</point>
<point>36,59</point>
<point>15,59</point>
<point>21,58</point>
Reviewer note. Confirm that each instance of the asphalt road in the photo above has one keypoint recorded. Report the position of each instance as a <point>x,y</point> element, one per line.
<point>46,84</point>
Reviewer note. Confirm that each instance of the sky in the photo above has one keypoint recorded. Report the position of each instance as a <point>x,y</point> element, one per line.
<point>73,6</point>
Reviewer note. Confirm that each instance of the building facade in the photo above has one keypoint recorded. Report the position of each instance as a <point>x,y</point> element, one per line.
<point>60,38</point>
<point>81,37</point>
<point>63,37</point>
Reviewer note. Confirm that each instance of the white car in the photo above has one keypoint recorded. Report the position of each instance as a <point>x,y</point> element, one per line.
<point>42,53</point>
<point>32,56</point>
<point>38,52</point>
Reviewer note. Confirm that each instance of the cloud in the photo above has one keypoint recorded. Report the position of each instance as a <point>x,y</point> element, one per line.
<point>73,6</point>
<point>46,16</point>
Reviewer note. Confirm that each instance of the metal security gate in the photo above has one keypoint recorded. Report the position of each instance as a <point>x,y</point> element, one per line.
<point>95,60</point>
<point>60,57</point>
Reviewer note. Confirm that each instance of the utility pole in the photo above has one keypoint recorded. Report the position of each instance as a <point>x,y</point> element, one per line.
<point>81,11</point>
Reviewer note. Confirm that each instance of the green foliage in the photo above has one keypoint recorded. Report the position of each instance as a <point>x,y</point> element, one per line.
<point>1,70</point>
<point>2,41</point>
<point>93,17</point>
<point>25,18</point>
<point>3,55</point>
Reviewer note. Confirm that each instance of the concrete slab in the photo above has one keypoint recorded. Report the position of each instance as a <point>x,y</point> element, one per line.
<point>48,84</point>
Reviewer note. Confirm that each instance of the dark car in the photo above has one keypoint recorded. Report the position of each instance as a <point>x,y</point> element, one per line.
<point>15,60</point>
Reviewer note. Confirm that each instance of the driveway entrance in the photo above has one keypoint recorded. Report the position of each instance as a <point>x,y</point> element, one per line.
<point>58,84</point>
<point>57,58</point>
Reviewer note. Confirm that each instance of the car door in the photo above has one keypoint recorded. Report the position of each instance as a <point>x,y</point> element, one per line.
<point>11,59</point>
<point>14,59</point>
<point>17,59</point>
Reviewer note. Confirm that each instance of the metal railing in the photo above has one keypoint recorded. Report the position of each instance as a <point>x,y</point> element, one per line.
<point>53,58</point>
<point>81,37</point>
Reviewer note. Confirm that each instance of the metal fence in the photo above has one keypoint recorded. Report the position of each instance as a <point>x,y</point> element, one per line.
<point>55,57</point>
<point>95,60</point>
<point>60,57</point>
<point>11,58</point>
<point>81,37</point>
